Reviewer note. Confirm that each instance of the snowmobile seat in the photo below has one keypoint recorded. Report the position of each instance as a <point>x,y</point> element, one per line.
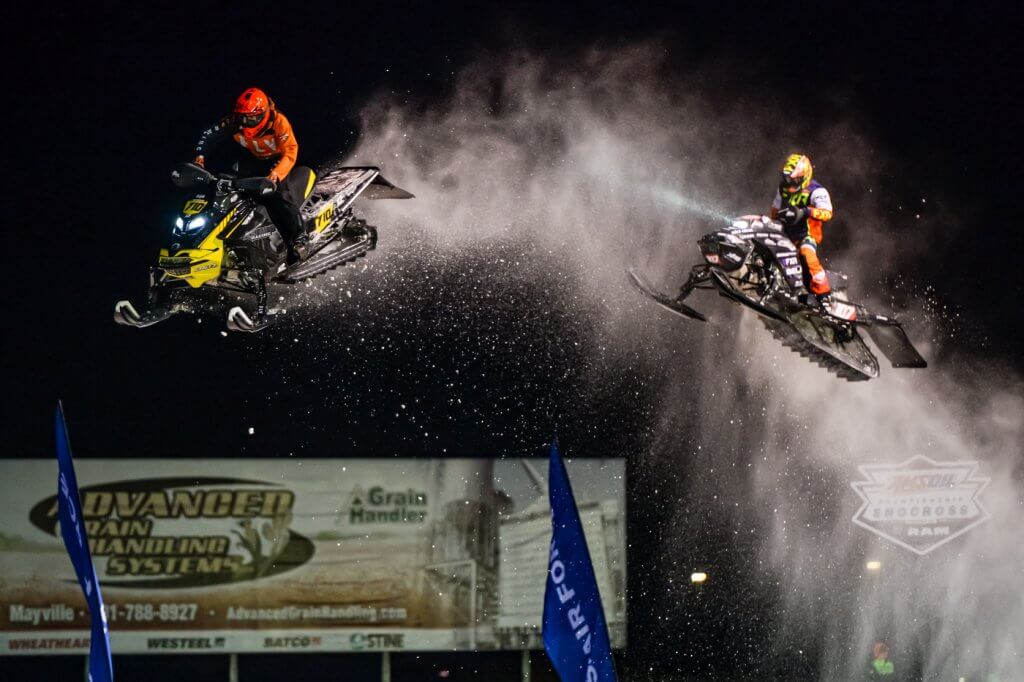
<point>299,184</point>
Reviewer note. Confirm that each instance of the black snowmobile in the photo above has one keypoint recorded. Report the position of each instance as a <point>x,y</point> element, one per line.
<point>752,262</point>
<point>224,250</point>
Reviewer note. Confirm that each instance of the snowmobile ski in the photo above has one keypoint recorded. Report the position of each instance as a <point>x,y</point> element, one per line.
<point>672,305</point>
<point>126,314</point>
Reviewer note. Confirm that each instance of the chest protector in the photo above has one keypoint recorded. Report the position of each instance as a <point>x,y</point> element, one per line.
<point>263,145</point>
<point>801,198</point>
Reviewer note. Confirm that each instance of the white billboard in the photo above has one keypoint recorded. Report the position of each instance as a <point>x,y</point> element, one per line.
<point>326,554</point>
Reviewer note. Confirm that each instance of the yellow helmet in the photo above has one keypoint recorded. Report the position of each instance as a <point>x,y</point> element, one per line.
<point>796,174</point>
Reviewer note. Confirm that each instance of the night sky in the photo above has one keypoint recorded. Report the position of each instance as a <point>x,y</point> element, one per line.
<point>102,99</point>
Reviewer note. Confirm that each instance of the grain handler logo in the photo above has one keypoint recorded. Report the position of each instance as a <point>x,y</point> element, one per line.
<point>920,504</point>
<point>380,505</point>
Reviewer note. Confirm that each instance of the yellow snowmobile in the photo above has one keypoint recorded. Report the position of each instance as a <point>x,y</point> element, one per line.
<point>224,250</point>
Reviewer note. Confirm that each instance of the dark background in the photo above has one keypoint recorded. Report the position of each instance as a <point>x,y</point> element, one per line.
<point>103,98</point>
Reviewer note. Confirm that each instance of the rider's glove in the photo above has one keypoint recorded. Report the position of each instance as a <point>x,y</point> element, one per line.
<point>267,186</point>
<point>792,215</point>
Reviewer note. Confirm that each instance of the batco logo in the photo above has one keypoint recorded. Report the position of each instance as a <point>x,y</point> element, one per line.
<point>920,504</point>
<point>292,642</point>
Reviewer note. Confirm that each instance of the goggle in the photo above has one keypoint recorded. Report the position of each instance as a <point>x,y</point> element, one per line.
<point>249,120</point>
<point>790,184</point>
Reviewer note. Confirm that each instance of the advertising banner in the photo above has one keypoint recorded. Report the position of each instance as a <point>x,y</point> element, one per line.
<point>309,555</point>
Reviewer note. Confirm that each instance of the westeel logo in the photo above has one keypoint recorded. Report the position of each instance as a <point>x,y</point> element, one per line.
<point>920,504</point>
<point>189,643</point>
<point>186,532</point>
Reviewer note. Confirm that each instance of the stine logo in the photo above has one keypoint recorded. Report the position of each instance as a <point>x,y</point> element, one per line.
<point>186,532</point>
<point>920,504</point>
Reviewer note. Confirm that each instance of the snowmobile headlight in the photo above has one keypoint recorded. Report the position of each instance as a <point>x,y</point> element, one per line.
<point>179,223</point>
<point>196,222</point>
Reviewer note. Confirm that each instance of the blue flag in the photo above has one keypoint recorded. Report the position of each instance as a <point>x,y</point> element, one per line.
<point>575,634</point>
<point>69,510</point>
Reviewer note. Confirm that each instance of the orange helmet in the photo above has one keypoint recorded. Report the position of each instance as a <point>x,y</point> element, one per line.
<point>252,109</point>
<point>796,174</point>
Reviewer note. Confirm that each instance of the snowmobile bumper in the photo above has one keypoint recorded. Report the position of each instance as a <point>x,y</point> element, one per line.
<point>126,314</point>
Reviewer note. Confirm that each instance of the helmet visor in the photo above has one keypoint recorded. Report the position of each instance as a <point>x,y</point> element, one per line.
<point>249,120</point>
<point>790,185</point>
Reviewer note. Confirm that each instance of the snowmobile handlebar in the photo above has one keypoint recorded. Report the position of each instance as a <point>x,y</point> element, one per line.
<point>257,186</point>
<point>189,175</point>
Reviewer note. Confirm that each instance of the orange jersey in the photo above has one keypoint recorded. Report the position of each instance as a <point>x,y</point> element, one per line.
<point>275,140</point>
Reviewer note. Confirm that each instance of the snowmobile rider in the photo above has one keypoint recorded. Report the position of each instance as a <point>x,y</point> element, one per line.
<point>264,131</point>
<point>803,206</point>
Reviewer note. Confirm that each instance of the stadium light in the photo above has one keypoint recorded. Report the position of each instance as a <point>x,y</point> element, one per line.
<point>874,566</point>
<point>698,578</point>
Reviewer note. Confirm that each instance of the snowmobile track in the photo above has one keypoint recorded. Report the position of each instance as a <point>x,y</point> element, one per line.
<point>317,265</point>
<point>799,345</point>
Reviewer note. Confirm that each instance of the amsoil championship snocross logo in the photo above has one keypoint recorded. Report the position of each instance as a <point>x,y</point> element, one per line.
<point>920,504</point>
